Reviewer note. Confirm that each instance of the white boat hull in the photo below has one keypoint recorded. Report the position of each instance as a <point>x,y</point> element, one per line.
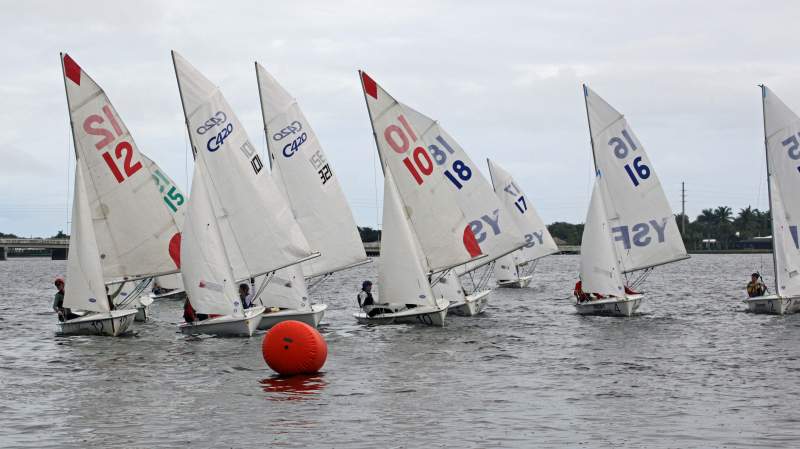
<point>143,309</point>
<point>773,304</point>
<point>428,315</point>
<point>174,294</point>
<point>226,325</point>
<point>311,317</point>
<point>110,324</point>
<point>610,306</point>
<point>471,305</point>
<point>521,282</point>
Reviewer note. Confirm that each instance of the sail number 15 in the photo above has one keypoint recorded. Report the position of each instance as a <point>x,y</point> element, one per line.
<point>123,149</point>
<point>622,146</point>
<point>793,147</point>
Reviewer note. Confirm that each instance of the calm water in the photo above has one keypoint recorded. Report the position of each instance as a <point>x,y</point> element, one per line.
<point>691,371</point>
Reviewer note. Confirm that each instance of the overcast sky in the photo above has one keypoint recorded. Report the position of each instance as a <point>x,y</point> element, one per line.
<point>502,77</point>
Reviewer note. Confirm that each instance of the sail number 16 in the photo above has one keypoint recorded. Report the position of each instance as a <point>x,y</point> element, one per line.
<point>622,146</point>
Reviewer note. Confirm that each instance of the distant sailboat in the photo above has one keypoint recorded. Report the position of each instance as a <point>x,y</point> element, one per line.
<point>425,232</point>
<point>306,178</point>
<point>782,145</point>
<point>134,222</point>
<point>85,289</point>
<point>255,223</point>
<point>515,270</point>
<point>629,209</point>
<point>490,222</point>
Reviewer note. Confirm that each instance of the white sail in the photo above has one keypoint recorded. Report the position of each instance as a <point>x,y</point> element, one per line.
<point>642,224</point>
<point>84,287</point>
<point>135,229</point>
<point>287,290</point>
<point>401,276</point>
<point>491,223</point>
<point>205,268</point>
<point>505,269</point>
<point>782,132</point>
<point>256,222</point>
<point>600,272</point>
<point>538,241</point>
<point>426,194</point>
<point>301,167</point>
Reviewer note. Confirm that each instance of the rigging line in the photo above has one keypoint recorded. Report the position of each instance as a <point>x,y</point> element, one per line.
<point>186,163</point>
<point>375,186</point>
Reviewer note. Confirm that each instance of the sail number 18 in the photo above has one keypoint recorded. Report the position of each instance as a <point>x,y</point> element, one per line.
<point>420,164</point>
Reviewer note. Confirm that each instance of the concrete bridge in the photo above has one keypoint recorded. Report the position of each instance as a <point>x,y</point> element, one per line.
<point>58,247</point>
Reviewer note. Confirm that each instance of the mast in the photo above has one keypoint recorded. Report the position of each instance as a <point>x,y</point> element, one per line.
<point>263,116</point>
<point>183,106</point>
<point>589,122</point>
<point>769,183</point>
<point>371,122</point>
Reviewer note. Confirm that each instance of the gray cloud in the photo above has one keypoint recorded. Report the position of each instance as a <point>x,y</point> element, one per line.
<point>503,77</point>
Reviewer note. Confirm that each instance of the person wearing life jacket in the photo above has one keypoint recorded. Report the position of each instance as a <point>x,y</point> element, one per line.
<point>630,291</point>
<point>245,296</point>
<point>64,313</point>
<point>580,295</point>
<point>755,287</point>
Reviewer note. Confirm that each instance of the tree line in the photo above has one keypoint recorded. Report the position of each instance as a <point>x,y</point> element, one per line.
<point>719,224</point>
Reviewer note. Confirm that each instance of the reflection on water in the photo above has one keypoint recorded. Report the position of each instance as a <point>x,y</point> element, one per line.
<point>293,388</point>
<point>690,371</point>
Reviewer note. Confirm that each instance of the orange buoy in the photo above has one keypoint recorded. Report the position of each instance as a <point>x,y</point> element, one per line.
<point>292,347</point>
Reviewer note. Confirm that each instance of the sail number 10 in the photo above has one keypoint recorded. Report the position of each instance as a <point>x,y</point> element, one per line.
<point>622,147</point>
<point>123,149</point>
<point>420,164</point>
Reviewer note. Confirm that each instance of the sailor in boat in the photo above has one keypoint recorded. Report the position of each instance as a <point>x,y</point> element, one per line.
<point>367,302</point>
<point>189,314</point>
<point>64,314</point>
<point>582,296</point>
<point>245,296</point>
<point>158,289</point>
<point>756,287</point>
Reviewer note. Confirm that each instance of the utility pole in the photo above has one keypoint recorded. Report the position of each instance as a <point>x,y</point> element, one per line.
<point>683,208</point>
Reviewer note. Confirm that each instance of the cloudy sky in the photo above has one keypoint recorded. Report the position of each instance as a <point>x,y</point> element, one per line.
<point>502,77</point>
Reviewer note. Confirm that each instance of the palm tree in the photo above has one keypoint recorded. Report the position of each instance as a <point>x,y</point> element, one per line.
<point>745,222</point>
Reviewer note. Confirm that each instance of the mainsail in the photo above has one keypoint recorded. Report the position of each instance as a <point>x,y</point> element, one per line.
<point>134,222</point>
<point>643,227</point>
<point>258,228</point>
<point>206,270</point>
<point>440,225</point>
<point>303,171</point>
<point>782,141</point>
<point>538,241</point>
<point>490,222</point>
<point>600,272</point>
<point>84,287</point>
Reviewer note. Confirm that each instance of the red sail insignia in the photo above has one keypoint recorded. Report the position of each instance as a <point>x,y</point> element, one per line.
<point>72,70</point>
<point>470,243</point>
<point>370,86</point>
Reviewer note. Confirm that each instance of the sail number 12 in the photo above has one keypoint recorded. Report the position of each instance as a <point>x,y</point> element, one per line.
<point>123,149</point>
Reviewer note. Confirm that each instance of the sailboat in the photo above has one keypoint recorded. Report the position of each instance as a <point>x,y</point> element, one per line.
<point>515,270</point>
<point>490,222</point>
<point>306,178</point>
<point>425,232</point>
<point>136,232</point>
<point>85,288</point>
<point>782,145</point>
<point>258,233</point>
<point>628,209</point>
